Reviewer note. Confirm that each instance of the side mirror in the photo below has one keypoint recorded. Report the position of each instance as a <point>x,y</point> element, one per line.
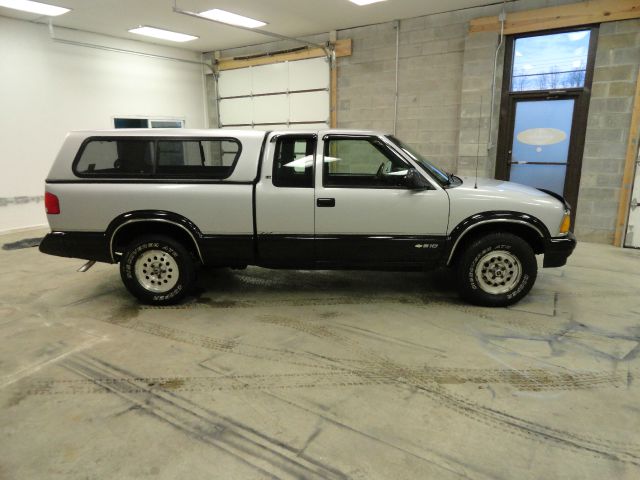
<point>415,181</point>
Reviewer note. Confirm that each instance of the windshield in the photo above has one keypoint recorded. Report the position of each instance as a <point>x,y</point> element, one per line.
<point>435,172</point>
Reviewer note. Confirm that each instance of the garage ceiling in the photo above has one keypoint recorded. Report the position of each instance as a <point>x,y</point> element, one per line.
<point>285,17</point>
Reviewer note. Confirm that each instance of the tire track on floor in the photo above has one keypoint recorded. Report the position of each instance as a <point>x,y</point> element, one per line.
<point>265,454</point>
<point>585,444</point>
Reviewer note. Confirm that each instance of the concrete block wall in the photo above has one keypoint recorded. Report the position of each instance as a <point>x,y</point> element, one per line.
<point>475,147</point>
<point>614,83</point>
<point>444,97</point>
<point>445,74</point>
<point>430,79</point>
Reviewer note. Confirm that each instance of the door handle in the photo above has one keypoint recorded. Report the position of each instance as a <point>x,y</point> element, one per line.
<point>326,202</point>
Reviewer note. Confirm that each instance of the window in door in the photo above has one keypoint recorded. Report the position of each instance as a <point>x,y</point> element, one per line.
<point>550,62</point>
<point>361,162</point>
<point>293,161</point>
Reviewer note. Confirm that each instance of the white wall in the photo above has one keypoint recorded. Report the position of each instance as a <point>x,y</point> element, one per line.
<point>47,89</point>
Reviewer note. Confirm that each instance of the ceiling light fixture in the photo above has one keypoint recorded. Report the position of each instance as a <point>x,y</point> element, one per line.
<point>162,34</point>
<point>231,18</point>
<point>362,3</point>
<point>34,7</point>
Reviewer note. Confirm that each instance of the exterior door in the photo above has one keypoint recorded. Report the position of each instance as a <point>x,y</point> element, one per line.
<point>632,237</point>
<point>365,216</point>
<point>543,112</point>
<point>541,137</point>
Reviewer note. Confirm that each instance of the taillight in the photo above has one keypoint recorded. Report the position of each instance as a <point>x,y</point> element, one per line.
<point>51,204</point>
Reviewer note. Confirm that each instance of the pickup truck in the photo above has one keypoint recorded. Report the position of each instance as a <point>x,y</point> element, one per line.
<point>163,203</point>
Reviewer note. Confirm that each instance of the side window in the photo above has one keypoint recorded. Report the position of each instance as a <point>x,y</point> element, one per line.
<point>361,162</point>
<point>196,158</point>
<point>117,157</point>
<point>293,161</point>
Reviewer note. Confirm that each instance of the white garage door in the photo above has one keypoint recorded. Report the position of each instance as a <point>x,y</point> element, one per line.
<point>278,96</point>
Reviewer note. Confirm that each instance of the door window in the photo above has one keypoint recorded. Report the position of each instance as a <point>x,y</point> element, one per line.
<point>293,161</point>
<point>361,162</point>
<point>540,149</point>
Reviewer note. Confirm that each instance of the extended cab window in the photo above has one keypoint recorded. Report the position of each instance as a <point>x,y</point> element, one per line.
<point>211,158</point>
<point>293,161</point>
<point>117,157</point>
<point>361,162</point>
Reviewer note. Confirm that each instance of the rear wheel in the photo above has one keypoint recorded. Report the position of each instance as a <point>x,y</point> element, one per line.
<point>496,270</point>
<point>157,269</point>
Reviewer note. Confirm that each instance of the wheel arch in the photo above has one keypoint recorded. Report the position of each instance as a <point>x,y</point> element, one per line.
<point>527,227</point>
<point>132,224</point>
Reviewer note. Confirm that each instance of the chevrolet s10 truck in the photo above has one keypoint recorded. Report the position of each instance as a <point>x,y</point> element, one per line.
<point>161,203</point>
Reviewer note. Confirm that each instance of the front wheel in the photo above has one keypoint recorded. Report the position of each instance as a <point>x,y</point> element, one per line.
<point>157,269</point>
<point>496,270</point>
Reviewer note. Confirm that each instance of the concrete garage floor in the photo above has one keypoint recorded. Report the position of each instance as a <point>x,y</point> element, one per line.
<point>296,374</point>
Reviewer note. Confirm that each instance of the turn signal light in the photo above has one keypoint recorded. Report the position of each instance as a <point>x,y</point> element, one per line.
<point>566,223</point>
<point>51,204</point>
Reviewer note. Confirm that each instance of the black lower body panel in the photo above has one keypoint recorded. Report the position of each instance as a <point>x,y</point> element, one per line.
<point>558,249</point>
<point>227,250</point>
<point>379,252</point>
<point>286,251</point>
<point>84,245</point>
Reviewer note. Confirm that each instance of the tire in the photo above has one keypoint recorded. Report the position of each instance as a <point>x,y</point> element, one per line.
<point>496,270</point>
<point>157,270</point>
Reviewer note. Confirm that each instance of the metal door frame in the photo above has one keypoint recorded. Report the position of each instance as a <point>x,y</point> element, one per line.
<point>581,97</point>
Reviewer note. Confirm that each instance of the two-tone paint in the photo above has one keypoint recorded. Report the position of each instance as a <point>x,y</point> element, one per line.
<point>247,220</point>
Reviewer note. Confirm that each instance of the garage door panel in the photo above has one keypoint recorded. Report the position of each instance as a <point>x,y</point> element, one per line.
<point>270,78</point>
<point>236,111</point>
<point>308,74</point>
<point>269,109</point>
<point>311,126</point>
<point>263,101</point>
<point>311,106</point>
<point>234,83</point>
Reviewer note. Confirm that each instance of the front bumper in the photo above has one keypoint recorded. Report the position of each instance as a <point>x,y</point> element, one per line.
<point>558,249</point>
<point>84,245</point>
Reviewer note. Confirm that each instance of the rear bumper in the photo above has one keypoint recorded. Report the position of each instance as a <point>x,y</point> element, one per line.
<point>84,245</point>
<point>558,249</point>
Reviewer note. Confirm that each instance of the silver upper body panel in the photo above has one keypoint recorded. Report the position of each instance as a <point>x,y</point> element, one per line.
<point>226,208</point>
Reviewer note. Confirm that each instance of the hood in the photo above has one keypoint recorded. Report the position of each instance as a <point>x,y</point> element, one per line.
<point>499,195</point>
<point>502,190</point>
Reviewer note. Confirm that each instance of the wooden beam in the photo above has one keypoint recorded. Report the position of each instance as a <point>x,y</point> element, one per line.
<point>342,48</point>
<point>582,13</point>
<point>629,164</point>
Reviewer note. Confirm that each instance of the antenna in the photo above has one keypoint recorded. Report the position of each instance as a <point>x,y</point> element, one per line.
<point>478,145</point>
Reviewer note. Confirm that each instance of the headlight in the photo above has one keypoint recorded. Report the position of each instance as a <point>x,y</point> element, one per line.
<point>566,223</point>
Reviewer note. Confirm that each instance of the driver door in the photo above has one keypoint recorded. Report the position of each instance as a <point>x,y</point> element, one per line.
<point>365,214</point>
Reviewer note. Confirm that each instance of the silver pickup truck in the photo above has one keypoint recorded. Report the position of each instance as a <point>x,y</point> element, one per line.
<point>161,203</point>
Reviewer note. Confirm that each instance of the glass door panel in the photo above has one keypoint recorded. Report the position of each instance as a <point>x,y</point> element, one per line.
<point>541,139</point>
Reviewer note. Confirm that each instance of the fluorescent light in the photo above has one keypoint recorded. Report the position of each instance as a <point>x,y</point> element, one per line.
<point>365,2</point>
<point>231,18</point>
<point>34,7</point>
<point>163,34</point>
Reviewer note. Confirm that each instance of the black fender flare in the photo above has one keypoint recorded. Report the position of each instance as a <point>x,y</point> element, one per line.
<point>498,217</point>
<point>161,216</point>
